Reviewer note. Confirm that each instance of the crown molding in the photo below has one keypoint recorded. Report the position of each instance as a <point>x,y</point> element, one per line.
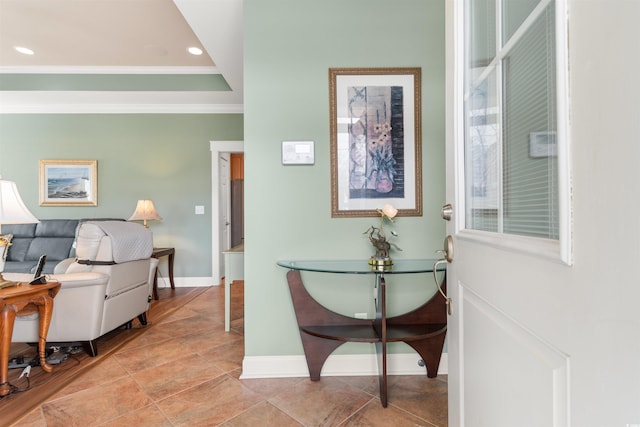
<point>124,109</point>
<point>107,70</point>
<point>92,102</point>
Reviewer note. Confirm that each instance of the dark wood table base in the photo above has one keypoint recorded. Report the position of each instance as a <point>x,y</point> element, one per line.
<point>322,331</point>
<point>159,253</point>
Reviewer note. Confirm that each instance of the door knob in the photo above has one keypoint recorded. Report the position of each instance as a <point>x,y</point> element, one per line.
<point>447,249</point>
<point>446,212</point>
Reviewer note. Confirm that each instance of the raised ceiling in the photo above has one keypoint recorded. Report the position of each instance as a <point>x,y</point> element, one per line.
<point>80,45</point>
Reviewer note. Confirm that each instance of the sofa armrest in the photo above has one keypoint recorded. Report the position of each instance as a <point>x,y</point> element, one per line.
<point>63,265</point>
<point>77,280</point>
<point>77,309</point>
<point>67,280</point>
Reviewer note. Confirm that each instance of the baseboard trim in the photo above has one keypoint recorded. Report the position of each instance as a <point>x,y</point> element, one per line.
<point>187,282</point>
<point>335,366</point>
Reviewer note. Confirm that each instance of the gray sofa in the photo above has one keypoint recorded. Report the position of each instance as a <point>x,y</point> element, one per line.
<point>51,237</point>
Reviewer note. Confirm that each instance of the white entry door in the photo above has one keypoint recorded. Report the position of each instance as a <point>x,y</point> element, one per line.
<point>507,184</point>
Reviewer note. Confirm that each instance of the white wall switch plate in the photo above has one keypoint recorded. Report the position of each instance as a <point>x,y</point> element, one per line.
<point>199,210</point>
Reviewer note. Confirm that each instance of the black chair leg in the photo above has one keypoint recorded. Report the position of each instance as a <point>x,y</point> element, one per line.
<point>143,319</point>
<point>91,348</point>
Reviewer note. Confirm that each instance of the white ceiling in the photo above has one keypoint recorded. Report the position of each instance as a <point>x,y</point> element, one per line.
<point>122,36</point>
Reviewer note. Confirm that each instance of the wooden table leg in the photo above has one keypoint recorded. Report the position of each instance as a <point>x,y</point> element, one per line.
<point>170,261</point>
<point>155,285</point>
<point>309,312</point>
<point>7,318</point>
<point>159,253</point>
<point>45,308</point>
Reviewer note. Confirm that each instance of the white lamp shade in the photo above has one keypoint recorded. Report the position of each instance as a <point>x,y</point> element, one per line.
<point>12,208</point>
<point>145,211</point>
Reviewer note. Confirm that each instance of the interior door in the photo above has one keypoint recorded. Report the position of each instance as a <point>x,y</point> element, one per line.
<point>506,364</point>
<point>225,205</point>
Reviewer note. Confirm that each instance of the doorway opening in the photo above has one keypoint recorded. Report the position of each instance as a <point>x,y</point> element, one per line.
<point>221,152</point>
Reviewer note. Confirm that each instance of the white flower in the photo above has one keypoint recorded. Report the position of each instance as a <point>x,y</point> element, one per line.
<point>389,211</point>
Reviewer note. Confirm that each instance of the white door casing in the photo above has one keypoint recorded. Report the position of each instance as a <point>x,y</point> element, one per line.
<point>224,198</point>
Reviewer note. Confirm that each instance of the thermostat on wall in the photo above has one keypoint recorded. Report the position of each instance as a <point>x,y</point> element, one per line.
<point>297,153</point>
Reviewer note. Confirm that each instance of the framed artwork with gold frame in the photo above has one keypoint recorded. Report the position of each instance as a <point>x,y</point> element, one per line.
<point>68,182</point>
<point>375,135</point>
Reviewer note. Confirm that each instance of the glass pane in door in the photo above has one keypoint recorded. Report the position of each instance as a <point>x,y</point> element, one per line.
<point>530,170</point>
<point>482,154</point>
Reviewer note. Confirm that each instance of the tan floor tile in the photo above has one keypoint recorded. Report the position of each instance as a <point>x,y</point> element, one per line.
<point>96,405</point>
<point>209,403</point>
<point>184,312</point>
<point>204,303</point>
<point>207,342</point>
<point>106,371</point>
<point>188,325</point>
<point>369,384</point>
<point>424,397</point>
<point>374,415</point>
<point>237,325</point>
<point>269,387</point>
<point>153,334</point>
<point>149,416</point>
<point>34,419</point>
<point>327,402</point>
<point>228,357</point>
<point>170,378</point>
<point>263,414</point>
<point>141,358</point>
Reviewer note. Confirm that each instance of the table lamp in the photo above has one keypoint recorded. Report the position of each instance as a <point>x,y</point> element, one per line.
<point>145,211</point>
<point>12,211</point>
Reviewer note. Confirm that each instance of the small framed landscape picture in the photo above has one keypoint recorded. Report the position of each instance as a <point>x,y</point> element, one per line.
<point>68,182</point>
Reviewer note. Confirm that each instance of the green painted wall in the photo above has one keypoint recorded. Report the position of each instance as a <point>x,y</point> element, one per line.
<point>289,47</point>
<point>163,157</point>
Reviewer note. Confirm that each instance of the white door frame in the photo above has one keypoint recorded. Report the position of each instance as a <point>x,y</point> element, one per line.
<point>217,246</point>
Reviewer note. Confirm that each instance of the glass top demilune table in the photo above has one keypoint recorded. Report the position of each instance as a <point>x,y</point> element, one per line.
<point>361,266</point>
<point>322,330</point>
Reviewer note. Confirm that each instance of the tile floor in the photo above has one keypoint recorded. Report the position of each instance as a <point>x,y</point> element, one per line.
<point>184,371</point>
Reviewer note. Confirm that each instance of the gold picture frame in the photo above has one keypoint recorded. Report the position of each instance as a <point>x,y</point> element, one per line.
<point>68,182</point>
<point>375,134</point>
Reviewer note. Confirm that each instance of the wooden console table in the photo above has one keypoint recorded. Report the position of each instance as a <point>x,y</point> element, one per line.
<point>322,331</point>
<point>18,301</point>
<point>159,253</point>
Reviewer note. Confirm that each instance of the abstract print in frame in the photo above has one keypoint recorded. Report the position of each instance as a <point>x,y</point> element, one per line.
<point>375,141</point>
<point>68,182</point>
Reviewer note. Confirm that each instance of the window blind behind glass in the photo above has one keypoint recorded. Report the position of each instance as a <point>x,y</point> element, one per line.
<point>530,177</point>
<point>511,164</point>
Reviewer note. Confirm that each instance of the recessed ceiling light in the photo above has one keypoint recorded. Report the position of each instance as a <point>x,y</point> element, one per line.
<point>195,51</point>
<point>24,50</point>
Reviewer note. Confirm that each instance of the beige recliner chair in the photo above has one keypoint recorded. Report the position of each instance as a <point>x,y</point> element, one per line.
<point>107,286</point>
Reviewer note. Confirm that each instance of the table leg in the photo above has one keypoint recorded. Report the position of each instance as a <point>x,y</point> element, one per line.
<point>7,318</point>
<point>380,325</point>
<point>45,308</point>
<point>309,312</point>
<point>227,304</point>
<point>171,256</point>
